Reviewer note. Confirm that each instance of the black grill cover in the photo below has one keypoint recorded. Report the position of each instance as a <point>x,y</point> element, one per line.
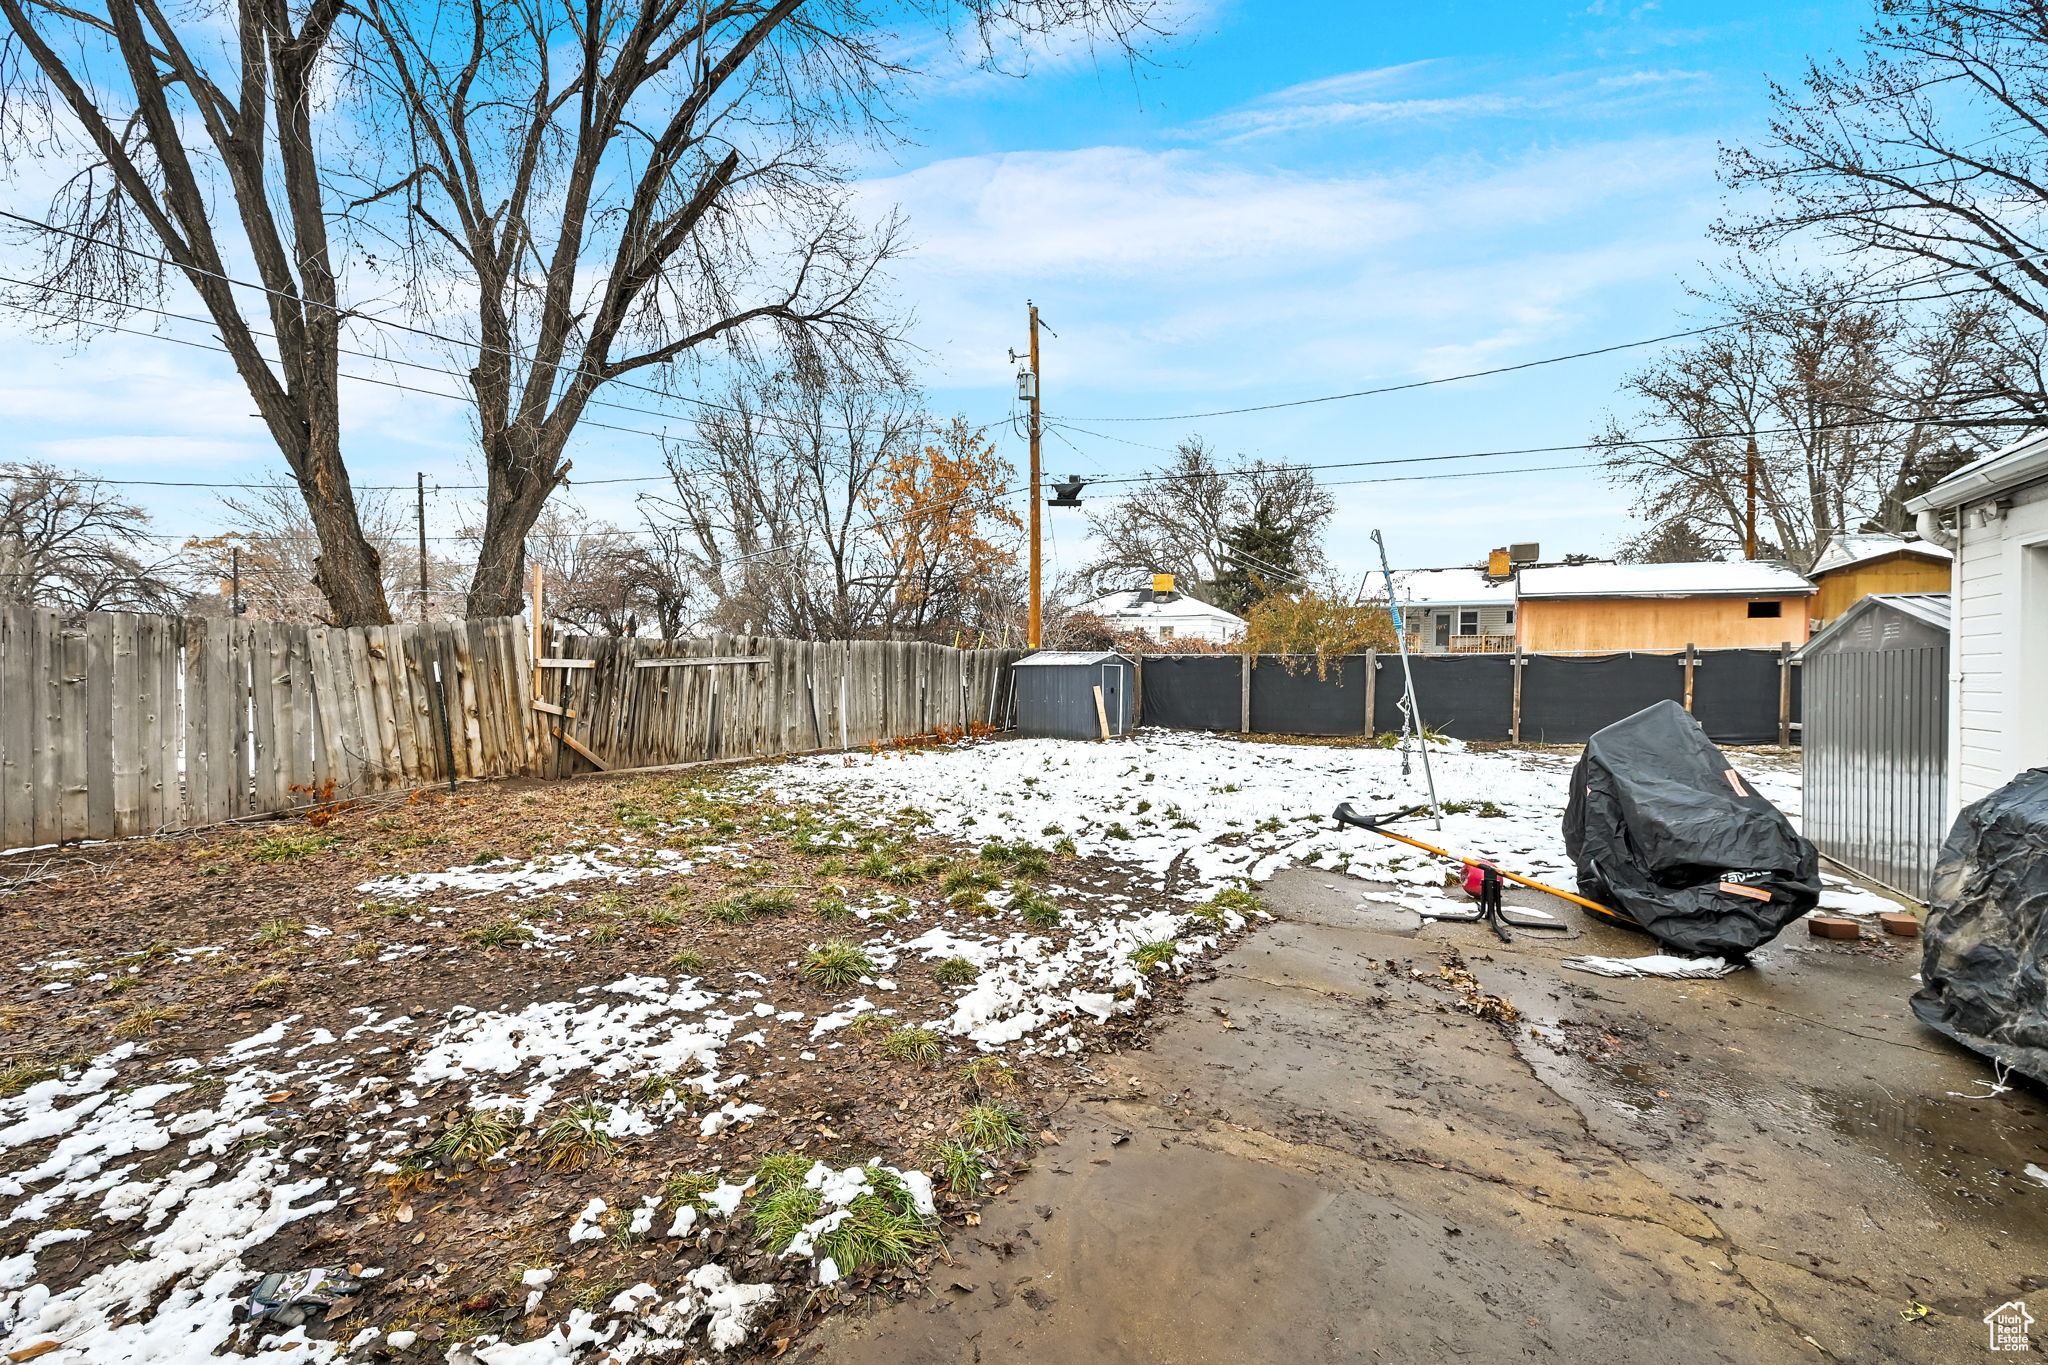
<point>1665,831</point>
<point>1984,968</point>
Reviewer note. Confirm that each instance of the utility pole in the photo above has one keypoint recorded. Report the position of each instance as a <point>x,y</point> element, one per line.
<point>1037,498</point>
<point>422,512</point>
<point>1749,520</point>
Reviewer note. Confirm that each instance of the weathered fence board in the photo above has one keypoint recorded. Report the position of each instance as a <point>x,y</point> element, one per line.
<point>644,703</point>
<point>113,723</point>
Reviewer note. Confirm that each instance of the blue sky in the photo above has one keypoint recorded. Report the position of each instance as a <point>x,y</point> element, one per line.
<point>1296,199</point>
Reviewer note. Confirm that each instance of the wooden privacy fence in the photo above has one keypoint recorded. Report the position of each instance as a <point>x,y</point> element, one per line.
<point>114,724</point>
<point>643,703</point>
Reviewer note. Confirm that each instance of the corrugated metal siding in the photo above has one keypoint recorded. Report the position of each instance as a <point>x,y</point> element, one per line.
<point>1057,701</point>
<point>1874,763</point>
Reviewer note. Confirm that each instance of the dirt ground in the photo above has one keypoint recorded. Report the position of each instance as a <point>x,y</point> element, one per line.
<point>1345,1138</point>
<point>1325,1158</point>
<point>181,946</point>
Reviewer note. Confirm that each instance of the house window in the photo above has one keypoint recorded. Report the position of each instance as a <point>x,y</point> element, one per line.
<point>1166,632</point>
<point>1511,616</point>
<point>1766,611</point>
<point>1468,623</point>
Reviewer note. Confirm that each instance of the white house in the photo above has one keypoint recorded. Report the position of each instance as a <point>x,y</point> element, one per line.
<point>1164,613</point>
<point>1994,515</point>
<point>1457,611</point>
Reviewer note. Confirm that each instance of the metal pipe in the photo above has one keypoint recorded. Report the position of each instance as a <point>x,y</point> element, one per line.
<point>1928,524</point>
<point>1436,810</point>
<point>447,735</point>
<point>1345,815</point>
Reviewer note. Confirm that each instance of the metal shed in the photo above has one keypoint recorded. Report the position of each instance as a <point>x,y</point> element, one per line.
<point>1875,762</point>
<point>1056,693</point>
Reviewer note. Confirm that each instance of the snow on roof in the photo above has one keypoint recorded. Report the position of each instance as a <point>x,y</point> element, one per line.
<point>1450,587</point>
<point>1933,608</point>
<point>1139,602</point>
<point>1736,578</point>
<point>1053,658</point>
<point>1859,547</point>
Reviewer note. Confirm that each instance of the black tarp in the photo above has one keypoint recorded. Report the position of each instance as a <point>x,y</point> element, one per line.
<point>1735,695</point>
<point>1289,698</point>
<point>1193,691</point>
<point>1662,828</point>
<point>1465,696</point>
<point>1565,698</point>
<point>1984,962</point>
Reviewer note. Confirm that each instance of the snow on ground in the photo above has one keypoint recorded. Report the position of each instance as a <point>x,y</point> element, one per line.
<point>1194,814</point>
<point>1221,811</point>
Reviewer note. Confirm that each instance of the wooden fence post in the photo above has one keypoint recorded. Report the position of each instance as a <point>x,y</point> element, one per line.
<point>1691,659</point>
<point>1244,694</point>
<point>1138,688</point>
<point>1515,705</point>
<point>1785,693</point>
<point>1372,688</point>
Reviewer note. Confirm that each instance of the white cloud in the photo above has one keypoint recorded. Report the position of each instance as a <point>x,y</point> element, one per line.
<point>1376,97</point>
<point>1183,270</point>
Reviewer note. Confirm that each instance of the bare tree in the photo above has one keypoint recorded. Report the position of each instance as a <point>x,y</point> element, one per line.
<point>1926,153</point>
<point>273,547</point>
<point>604,582</point>
<point>1210,527</point>
<point>1853,404</point>
<point>152,118</point>
<point>618,186</point>
<point>68,540</point>
<point>776,493</point>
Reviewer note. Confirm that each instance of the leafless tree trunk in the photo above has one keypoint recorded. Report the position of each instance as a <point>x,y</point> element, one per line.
<point>621,185</point>
<point>280,557</point>
<point>149,161</point>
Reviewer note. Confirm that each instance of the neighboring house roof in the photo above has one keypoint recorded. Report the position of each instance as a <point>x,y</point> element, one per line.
<point>1053,658</point>
<point>1142,604</point>
<point>1846,549</point>
<point>1734,578</point>
<point>1450,588</point>
<point>1930,607</point>
<point>2024,461</point>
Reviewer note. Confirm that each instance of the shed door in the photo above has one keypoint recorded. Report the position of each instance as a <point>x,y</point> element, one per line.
<point>1113,696</point>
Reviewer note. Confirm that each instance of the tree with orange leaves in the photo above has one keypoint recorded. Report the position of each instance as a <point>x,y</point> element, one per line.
<point>952,541</point>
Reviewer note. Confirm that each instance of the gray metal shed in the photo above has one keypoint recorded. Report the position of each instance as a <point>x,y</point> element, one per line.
<point>1875,757</point>
<point>1056,693</point>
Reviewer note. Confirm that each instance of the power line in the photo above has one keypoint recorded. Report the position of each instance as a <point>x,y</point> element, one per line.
<point>1682,439</point>
<point>1558,359</point>
<point>272,336</point>
<point>983,499</point>
<point>359,378</point>
<point>347,314</point>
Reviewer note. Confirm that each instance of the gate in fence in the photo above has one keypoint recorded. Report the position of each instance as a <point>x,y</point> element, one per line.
<point>1739,696</point>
